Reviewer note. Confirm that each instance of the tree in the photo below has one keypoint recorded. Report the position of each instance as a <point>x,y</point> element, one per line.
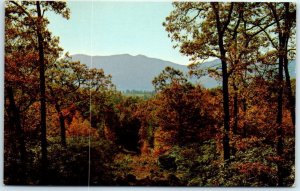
<point>167,77</point>
<point>180,107</point>
<point>72,83</point>
<point>20,77</point>
<point>201,31</point>
<point>64,79</point>
<point>146,113</point>
<point>33,13</point>
<point>284,15</point>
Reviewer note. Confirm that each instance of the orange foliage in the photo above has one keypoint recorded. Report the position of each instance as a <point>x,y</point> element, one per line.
<point>53,124</point>
<point>163,141</point>
<point>288,127</point>
<point>81,127</point>
<point>242,144</point>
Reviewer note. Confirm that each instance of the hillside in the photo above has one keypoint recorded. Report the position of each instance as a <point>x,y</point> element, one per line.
<point>137,72</point>
<point>134,72</point>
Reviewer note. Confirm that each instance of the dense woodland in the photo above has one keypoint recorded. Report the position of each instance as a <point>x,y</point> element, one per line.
<point>66,124</point>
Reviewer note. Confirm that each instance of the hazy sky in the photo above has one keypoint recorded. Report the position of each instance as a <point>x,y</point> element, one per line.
<point>107,28</point>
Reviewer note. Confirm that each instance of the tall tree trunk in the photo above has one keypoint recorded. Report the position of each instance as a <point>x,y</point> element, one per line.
<point>226,145</point>
<point>42,94</point>
<point>279,108</point>
<point>226,117</point>
<point>62,125</point>
<point>61,119</point>
<point>291,99</point>
<point>279,118</point>
<point>16,141</point>
<point>15,121</point>
<point>283,64</point>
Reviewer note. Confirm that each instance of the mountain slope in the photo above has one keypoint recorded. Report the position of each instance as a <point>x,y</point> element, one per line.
<point>133,72</point>
<point>137,72</point>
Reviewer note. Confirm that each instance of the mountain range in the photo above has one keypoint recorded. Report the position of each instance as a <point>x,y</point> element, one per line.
<point>134,72</point>
<point>137,72</point>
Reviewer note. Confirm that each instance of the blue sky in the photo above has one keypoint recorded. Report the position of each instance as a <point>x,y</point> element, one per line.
<point>108,28</point>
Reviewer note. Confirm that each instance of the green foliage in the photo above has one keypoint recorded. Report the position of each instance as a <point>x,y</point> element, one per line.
<point>69,165</point>
<point>196,163</point>
<point>168,77</point>
<point>201,165</point>
<point>142,94</point>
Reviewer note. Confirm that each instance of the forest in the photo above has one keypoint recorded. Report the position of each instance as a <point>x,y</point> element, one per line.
<point>65,123</point>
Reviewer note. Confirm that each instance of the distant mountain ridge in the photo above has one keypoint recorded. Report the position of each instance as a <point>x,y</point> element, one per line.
<point>133,72</point>
<point>137,72</point>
